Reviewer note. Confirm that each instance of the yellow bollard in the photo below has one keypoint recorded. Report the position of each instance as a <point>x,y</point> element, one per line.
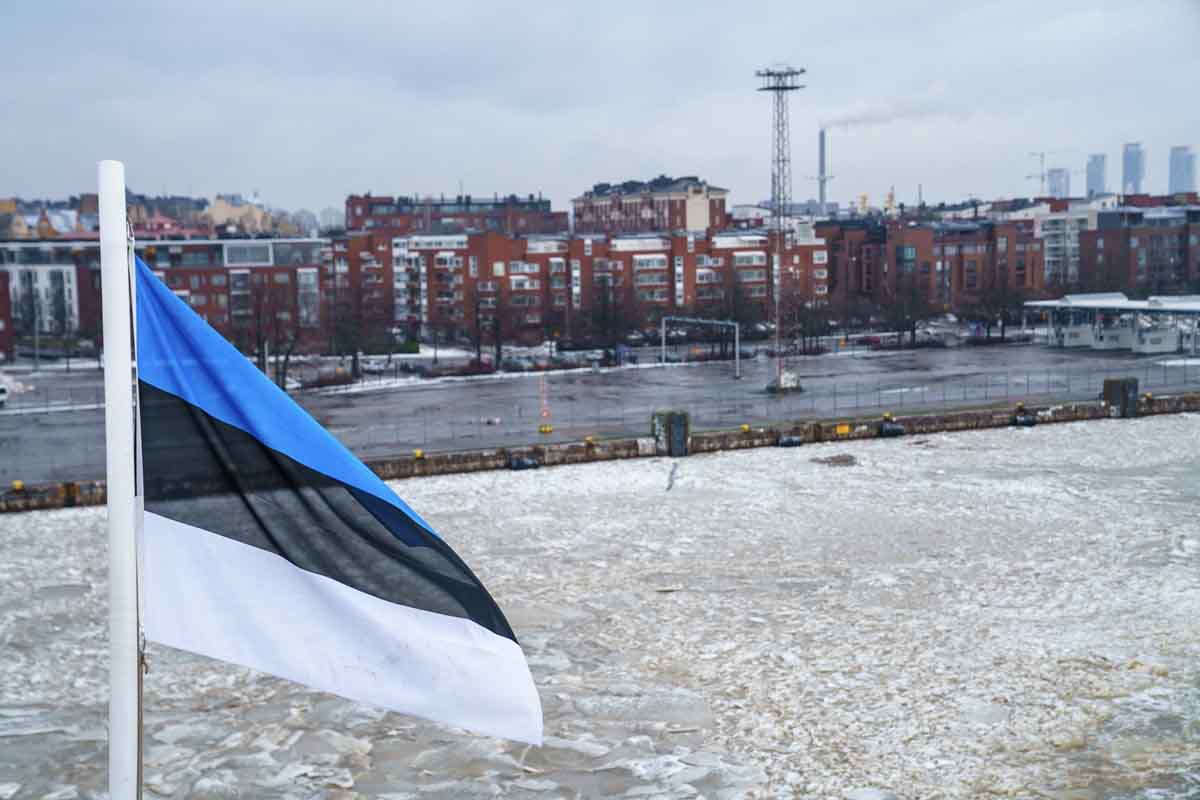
<point>589,440</point>
<point>18,486</point>
<point>418,454</point>
<point>545,429</point>
<point>745,428</point>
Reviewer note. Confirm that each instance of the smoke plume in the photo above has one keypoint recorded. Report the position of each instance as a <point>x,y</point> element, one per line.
<point>930,105</point>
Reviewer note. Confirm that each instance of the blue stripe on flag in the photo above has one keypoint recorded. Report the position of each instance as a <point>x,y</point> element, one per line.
<point>179,353</point>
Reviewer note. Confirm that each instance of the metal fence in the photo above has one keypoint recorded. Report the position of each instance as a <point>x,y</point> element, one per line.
<point>41,440</point>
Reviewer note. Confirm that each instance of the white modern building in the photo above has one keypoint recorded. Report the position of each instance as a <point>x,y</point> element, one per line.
<point>42,288</point>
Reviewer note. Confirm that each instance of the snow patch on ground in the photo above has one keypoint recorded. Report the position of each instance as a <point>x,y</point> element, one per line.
<point>1000,613</point>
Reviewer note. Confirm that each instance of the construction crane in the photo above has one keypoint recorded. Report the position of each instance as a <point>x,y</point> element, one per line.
<point>1040,175</point>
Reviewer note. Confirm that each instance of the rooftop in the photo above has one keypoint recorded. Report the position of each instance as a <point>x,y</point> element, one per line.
<point>662,183</point>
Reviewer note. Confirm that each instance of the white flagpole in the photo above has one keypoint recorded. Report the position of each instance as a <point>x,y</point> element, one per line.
<point>124,707</point>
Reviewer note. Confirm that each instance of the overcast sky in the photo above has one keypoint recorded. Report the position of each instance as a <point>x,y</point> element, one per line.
<point>309,101</point>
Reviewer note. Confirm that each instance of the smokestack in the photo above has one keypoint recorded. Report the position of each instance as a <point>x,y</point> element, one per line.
<point>821,173</point>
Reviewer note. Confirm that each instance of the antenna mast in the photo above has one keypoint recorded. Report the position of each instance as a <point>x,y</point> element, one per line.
<point>779,81</point>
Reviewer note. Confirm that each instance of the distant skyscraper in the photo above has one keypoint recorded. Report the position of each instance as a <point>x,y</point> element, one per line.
<point>1059,181</point>
<point>1096,166</point>
<point>1183,170</point>
<point>1133,168</point>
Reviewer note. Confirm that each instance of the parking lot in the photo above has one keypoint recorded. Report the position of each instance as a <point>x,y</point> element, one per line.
<point>53,428</point>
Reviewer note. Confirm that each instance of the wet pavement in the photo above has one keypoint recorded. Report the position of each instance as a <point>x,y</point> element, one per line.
<point>386,416</point>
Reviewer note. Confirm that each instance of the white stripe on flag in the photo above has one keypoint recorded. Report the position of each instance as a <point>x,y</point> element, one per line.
<point>218,597</point>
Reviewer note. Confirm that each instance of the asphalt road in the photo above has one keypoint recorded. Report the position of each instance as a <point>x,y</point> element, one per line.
<point>387,418</point>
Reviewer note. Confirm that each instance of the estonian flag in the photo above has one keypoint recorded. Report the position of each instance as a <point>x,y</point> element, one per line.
<point>267,544</point>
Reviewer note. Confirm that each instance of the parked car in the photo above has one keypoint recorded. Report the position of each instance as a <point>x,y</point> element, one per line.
<point>3,395</point>
<point>635,338</point>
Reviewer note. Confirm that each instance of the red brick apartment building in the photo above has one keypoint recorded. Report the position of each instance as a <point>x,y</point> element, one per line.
<point>660,205</point>
<point>359,289</point>
<point>1143,249</point>
<point>460,285</point>
<point>933,268</point>
<point>510,215</point>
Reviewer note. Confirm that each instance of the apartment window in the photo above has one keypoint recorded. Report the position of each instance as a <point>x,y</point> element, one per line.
<point>198,258</point>
<point>746,275</point>
<point>298,253</point>
<point>498,269</point>
<point>649,278</point>
<point>1001,242</point>
<point>281,277</point>
<point>523,268</point>
<point>557,265</point>
<point>820,257</point>
<point>649,262</point>
<point>222,301</point>
<point>821,289</point>
<point>486,286</point>
<point>196,281</point>
<point>558,282</point>
<point>756,291</point>
<point>198,299</point>
<point>822,274</point>
<point>217,280</point>
<point>1194,239</point>
<point>247,254</point>
<point>1133,241</point>
<point>707,276</point>
<point>473,266</point>
<point>749,259</point>
<point>587,247</point>
<point>1100,243</point>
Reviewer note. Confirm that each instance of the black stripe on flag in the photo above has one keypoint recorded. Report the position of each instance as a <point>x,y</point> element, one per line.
<point>208,474</point>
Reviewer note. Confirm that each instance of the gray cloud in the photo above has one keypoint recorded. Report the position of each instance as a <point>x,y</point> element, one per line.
<point>307,101</point>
